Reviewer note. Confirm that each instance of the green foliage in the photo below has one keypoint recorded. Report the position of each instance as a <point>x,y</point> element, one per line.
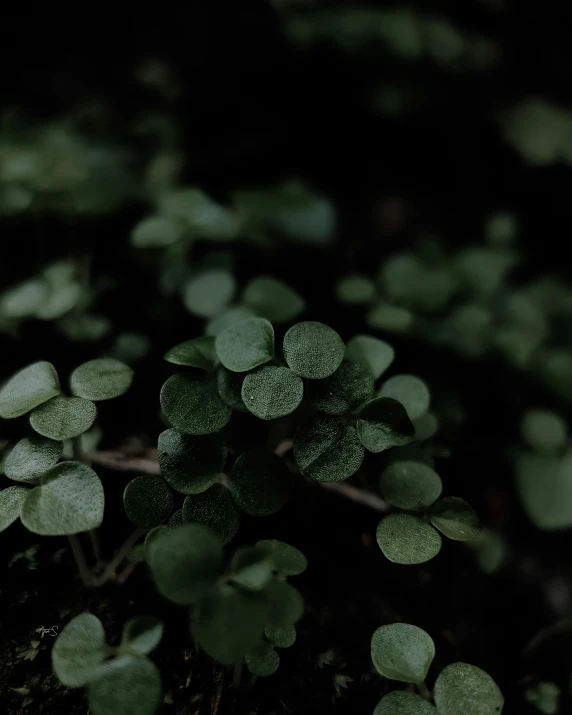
<point>327,449</point>
<point>313,350</point>
<point>281,637</point>
<point>31,457</point>
<point>262,660</point>
<point>208,293</point>
<point>272,299</point>
<point>402,652</point>
<point>63,417</point>
<point>465,688</point>
<point>544,431</point>
<point>545,696</point>
<point>79,650</point>
<point>230,388</point>
<point>348,388</point>
<point>406,539</point>
<point>191,463</point>
<point>192,404</point>
<point>410,485</point>
<point>141,635</point>
<point>288,560</point>
<point>456,519</point>
<point>215,509</point>
<point>198,352</point>
<point>148,501</point>
<point>401,703</point>
<point>544,485</point>
<point>375,354</point>
<point>260,482</point>
<point>156,232</point>
<point>355,289</point>
<point>123,683</point>
<point>270,392</point>
<point>11,500</point>
<point>101,379</point>
<point>383,423</point>
<point>410,391</point>
<point>251,568</point>
<point>246,344</point>
<point>28,388</point>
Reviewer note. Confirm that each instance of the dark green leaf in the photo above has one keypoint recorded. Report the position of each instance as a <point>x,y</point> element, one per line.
<point>231,316</point>
<point>402,652</point>
<point>192,404</point>
<point>285,605</point>
<point>349,387</point>
<point>191,463</point>
<point>313,350</point>
<point>31,458</point>
<point>544,485</point>
<point>246,345</point>
<point>271,392</point>
<point>63,417</point>
<point>141,635</point>
<point>148,501</point>
<point>327,449</point>
<point>260,482</point>
<point>208,293</point>
<point>101,379</point>
<point>288,560</point>
<point>402,703</point>
<point>383,423</point>
<point>410,485</point>
<point>11,500</point>
<point>201,216</point>
<point>198,352</point>
<point>28,388</point>
<point>456,519</point>
<point>214,509</point>
<point>464,688</point>
<point>262,660</point>
<point>410,391</point>
<point>79,650</point>
<point>125,686</point>
<point>281,637</point>
<point>272,299</point>
<point>230,388</point>
<point>543,430</point>
<point>355,290</point>
<point>405,539</point>
<point>251,567</point>
<point>156,232</point>
<point>375,354</point>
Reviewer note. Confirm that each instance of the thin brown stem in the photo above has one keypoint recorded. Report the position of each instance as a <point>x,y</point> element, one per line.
<point>119,557</point>
<point>79,555</point>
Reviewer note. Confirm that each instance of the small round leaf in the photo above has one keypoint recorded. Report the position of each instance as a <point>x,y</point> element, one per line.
<point>234,314</point>
<point>214,509</point>
<point>456,519</point>
<point>281,637</point>
<point>28,388</point>
<point>141,635</point>
<point>405,539</point>
<point>464,688</point>
<point>285,605</point>
<point>410,485</point>
<point>375,354</point>
<point>402,652</point>
<point>148,501</point>
<point>355,290</point>
<point>288,560</point>
<point>544,431</point>
<point>412,392</point>
<point>191,463</point>
<point>327,449</point>
<point>313,350</point>
<point>208,293</point>
<point>251,567</point>
<point>63,417</point>
<point>124,686</point>
<point>11,500</point>
<point>260,482</point>
<point>156,232</point>
<point>31,458</point>
<point>101,379</point>
<point>246,345</point>
<point>184,561</point>
<point>544,485</point>
<point>79,650</point>
<point>383,423</point>
<point>272,299</point>
<point>271,392</point>
<point>400,702</point>
<point>192,404</point>
<point>198,352</point>
<point>262,660</point>
<point>230,388</point>
<point>349,387</point>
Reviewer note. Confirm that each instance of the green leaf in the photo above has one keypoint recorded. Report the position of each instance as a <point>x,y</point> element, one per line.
<point>262,660</point>
<point>28,388</point>
<point>185,562</point>
<point>148,501</point>
<point>464,688</point>
<point>176,519</point>
<point>401,703</point>
<point>383,423</point>
<point>63,417</point>
<point>385,316</point>
<point>79,650</point>
<point>288,560</point>
<point>349,387</point>
<point>101,379</point>
<point>141,635</point>
<point>281,637</point>
<point>375,354</point>
<point>285,605</point>
<point>272,299</point>
<point>125,686</point>
<point>24,300</point>
<point>271,392</point>
<point>544,431</point>
<point>405,539</point>
<point>355,290</point>
<point>31,458</point>
<point>402,652</point>
<point>484,269</point>
<point>251,567</point>
<point>68,501</point>
<point>456,519</point>
<point>198,352</point>
<point>214,509</point>
<point>208,293</point>
<point>231,316</point>
<point>260,482</point>
<point>327,449</point>
<point>230,388</point>
<point>490,550</point>
<point>229,623</point>
<point>191,463</point>
<point>544,485</point>
<point>246,345</point>
<point>426,427</point>
<point>11,500</point>
<point>313,350</point>
<point>192,404</point>
<point>410,485</point>
<point>410,391</point>
<point>156,232</point>
<point>201,216</point>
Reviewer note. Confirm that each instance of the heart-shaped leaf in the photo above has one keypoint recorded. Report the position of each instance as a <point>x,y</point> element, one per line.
<point>141,635</point>
<point>402,652</point>
<point>11,500</point>
<point>191,463</point>
<point>262,660</point>
<point>246,345</point>
<point>412,392</point>
<point>124,686</point>
<point>464,688</point>
<point>79,650</point>
<point>313,350</point>
<point>272,299</point>
<point>410,485</point>
<point>270,392</point>
<point>260,482</point>
<point>185,562</point>
<point>148,501</point>
<point>208,293</point>
<point>327,449</point>
<point>63,417</point>
<point>288,560</point>
<point>383,423</point>
<point>349,387</point>
<point>405,539</point>
<point>251,568</point>
<point>68,501</point>
<point>230,388</point>
<point>28,388</point>
<point>214,509</point>
<point>198,352</point>
<point>192,404</point>
<point>373,353</point>
<point>544,431</point>
<point>456,519</point>
<point>281,637</point>
<point>31,458</point>
<point>402,703</point>
<point>101,379</point>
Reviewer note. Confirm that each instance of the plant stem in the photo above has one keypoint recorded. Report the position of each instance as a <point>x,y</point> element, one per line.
<point>425,692</point>
<point>121,554</point>
<point>77,550</point>
<point>237,673</point>
<point>77,449</point>
<point>96,548</point>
